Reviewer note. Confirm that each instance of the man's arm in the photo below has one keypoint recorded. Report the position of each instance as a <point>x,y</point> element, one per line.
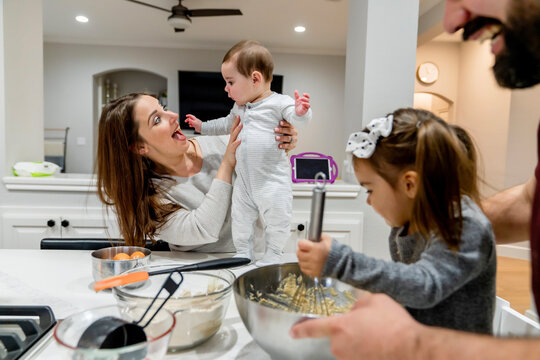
<point>510,212</point>
<point>379,328</point>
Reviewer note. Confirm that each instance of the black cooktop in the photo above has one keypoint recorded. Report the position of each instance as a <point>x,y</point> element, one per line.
<point>21,327</point>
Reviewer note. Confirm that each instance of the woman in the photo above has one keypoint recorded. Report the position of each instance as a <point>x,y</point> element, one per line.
<point>162,185</point>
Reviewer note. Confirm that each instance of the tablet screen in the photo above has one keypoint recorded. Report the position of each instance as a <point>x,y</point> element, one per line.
<point>308,168</point>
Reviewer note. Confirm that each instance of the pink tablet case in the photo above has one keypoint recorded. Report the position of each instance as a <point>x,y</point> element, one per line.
<point>314,155</point>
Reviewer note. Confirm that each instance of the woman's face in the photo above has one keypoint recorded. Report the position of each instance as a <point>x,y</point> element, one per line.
<point>392,204</point>
<point>159,131</point>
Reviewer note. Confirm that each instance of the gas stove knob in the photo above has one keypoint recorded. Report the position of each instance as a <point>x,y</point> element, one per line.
<point>65,223</point>
<point>51,223</point>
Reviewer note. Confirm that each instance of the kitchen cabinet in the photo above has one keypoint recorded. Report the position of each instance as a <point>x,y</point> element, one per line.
<point>66,206</point>
<point>24,230</point>
<point>345,227</point>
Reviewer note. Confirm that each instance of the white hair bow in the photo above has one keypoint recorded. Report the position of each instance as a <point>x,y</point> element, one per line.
<point>362,144</point>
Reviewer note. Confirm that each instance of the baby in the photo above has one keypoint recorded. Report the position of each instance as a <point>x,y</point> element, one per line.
<point>263,184</point>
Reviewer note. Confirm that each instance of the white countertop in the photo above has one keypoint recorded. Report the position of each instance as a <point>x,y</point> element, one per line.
<point>87,183</point>
<point>63,280</point>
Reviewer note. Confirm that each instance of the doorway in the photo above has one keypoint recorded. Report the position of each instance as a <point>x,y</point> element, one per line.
<point>437,104</point>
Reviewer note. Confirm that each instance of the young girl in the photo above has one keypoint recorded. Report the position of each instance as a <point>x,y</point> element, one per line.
<point>420,176</point>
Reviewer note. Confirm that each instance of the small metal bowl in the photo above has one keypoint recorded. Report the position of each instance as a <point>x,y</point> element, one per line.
<point>103,265</point>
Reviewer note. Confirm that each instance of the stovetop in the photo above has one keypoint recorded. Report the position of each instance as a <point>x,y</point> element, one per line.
<point>22,327</point>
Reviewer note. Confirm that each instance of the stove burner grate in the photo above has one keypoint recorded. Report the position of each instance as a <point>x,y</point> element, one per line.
<point>21,327</point>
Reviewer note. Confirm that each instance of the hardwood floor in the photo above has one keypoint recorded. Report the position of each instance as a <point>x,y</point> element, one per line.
<point>514,282</point>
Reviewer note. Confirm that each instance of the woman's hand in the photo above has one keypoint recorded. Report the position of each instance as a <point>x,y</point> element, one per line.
<point>230,153</point>
<point>312,255</point>
<point>287,136</point>
<point>228,162</point>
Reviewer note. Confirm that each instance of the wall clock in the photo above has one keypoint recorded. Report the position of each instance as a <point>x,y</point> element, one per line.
<point>427,73</point>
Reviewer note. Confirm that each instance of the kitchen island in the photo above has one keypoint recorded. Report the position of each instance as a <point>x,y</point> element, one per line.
<point>62,279</point>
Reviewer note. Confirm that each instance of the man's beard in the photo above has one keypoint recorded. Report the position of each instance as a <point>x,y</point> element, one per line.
<point>518,64</point>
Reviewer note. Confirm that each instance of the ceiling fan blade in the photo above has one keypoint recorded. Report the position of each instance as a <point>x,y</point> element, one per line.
<point>179,30</point>
<point>213,12</point>
<point>150,5</point>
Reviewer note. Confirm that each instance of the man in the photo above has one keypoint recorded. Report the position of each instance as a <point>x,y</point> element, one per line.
<point>379,328</point>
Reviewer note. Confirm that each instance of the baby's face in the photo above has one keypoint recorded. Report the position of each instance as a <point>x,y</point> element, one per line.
<point>239,87</point>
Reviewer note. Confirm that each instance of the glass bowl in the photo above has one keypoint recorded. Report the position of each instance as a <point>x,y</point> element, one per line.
<point>199,304</point>
<point>68,332</point>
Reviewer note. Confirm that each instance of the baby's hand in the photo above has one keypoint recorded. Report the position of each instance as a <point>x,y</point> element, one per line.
<point>302,104</point>
<point>194,122</point>
<point>312,255</point>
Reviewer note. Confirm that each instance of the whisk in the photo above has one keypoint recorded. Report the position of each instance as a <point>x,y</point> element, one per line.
<point>309,296</point>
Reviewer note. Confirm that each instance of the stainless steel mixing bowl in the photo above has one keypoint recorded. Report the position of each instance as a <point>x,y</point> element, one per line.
<point>268,326</point>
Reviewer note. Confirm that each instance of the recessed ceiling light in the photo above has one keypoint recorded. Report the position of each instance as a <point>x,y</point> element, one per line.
<point>299,29</point>
<point>81,19</point>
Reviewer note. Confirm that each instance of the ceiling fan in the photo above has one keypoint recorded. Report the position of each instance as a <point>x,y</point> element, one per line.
<point>181,16</point>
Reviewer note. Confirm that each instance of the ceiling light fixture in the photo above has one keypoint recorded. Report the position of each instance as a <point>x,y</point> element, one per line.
<point>299,29</point>
<point>179,22</point>
<point>81,19</point>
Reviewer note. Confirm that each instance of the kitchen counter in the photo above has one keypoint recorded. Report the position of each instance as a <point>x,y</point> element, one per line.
<point>63,280</point>
<point>87,183</point>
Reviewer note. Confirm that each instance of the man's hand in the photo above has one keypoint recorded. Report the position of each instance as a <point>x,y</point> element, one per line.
<point>287,136</point>
<point>376,328</point>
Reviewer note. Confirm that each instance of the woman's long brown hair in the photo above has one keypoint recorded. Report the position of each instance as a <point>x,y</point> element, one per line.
<point>444,158</point>
<point>126,180</point>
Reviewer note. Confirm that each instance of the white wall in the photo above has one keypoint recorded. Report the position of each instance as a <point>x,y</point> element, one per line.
<point>483,108</point>
<point>446,56</point>
<point>69,71</point>
<point>381,51</point>
<point>2,98</point>
<point>521,154</point>
<point>23,51</point>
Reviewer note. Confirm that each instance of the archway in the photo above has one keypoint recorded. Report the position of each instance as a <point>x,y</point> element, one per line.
<point>437,104</point>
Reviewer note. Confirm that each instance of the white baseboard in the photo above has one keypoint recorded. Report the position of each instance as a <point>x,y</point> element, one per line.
<point>518,251</point>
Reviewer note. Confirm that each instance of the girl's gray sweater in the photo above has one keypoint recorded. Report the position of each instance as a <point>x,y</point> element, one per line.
<point>438,286</point>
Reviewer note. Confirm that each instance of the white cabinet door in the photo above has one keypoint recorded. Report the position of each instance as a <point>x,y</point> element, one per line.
<point>345,227</point>
<point>298,231</point>
<point>25,231</point>
<point>87,227</point>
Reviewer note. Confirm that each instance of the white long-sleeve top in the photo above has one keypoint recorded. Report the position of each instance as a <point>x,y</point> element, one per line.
<point>204,221</point>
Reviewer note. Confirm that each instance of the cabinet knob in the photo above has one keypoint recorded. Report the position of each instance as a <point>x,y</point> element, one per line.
<point>51,223</point>
<point>65,223</point>
<point>300,227</point>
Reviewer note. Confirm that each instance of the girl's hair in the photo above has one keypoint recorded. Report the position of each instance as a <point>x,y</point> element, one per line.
<point>444,158</point>
<point>127,180</point>
<point>251,56</point>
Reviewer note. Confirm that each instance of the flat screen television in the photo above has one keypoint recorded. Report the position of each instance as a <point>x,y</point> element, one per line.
<point>202,93</point>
